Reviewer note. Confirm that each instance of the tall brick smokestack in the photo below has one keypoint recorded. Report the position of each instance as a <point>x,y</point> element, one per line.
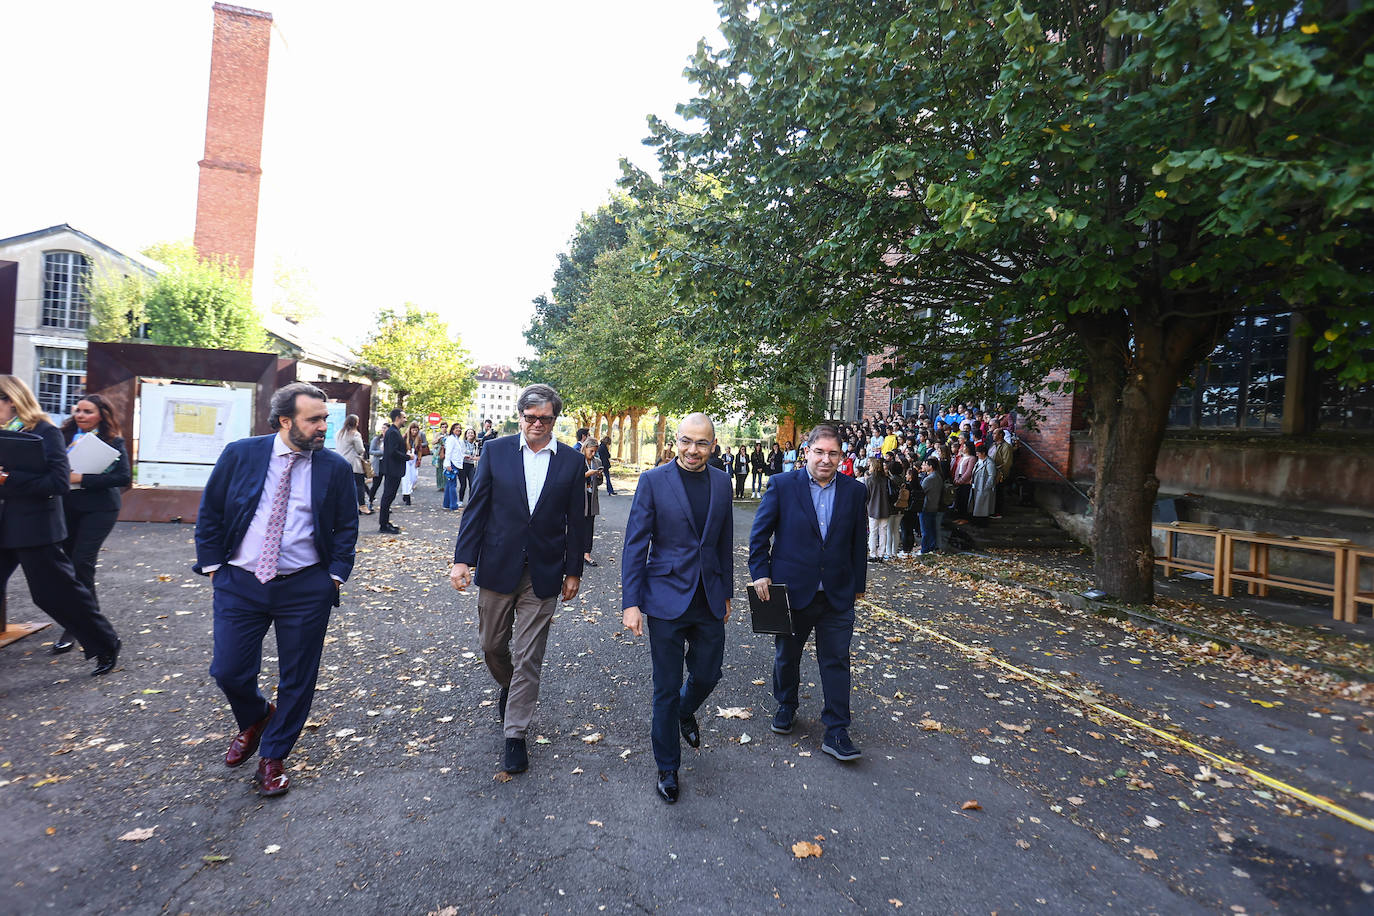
<point>227,202</point>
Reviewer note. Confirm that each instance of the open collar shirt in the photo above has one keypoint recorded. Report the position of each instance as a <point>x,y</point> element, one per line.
<point>536,468</point>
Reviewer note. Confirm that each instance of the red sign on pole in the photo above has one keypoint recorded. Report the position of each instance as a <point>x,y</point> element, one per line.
<point>434,419</point>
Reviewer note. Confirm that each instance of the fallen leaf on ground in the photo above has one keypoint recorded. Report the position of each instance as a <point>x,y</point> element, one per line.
<point>139,834</point>
<point>744,738</point>
<point>930,725</point>
<point>896,904</point>
<point>1023,844</point>
<point>805,848</point>
<point>1075,799</point>
<point>1145,852</point>
<point>1019,729</point>
<point>1153,822</point>
<point>214,860</point>
<point>595,824</point>
<point>502,776</point>
<point>971,805</point>
<point>592,738</point>
<point>733,712</point>
<point>984,761</point>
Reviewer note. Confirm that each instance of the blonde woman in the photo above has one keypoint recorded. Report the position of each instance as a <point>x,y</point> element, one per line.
<point>879,508</point>
<point>32,528</point>
<point>349,444</point>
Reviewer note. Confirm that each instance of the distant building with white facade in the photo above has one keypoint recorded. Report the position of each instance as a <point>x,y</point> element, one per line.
<point>495,396</point>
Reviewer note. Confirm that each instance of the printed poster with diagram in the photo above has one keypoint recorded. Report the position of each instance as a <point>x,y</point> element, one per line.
<point>183,429</point>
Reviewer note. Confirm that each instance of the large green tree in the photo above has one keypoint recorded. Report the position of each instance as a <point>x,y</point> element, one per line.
<point>428,367</point>
<point>999,188</point>
<point>192,302</point>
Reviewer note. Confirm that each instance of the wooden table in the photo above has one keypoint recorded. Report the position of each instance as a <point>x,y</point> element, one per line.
<point>1353,596</point>
<point>1170,559</point>
<point>1259,580</point>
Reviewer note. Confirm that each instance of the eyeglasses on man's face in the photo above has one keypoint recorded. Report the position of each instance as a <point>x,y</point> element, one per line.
<point>689,443</point>
<point>538,419</point>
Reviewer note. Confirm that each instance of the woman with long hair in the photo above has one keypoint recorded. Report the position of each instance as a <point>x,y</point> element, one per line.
<point>879,508</point>
<point>33,527</point>
<point>470,449</point>
<point>91,508</point>
<point>349,444</point>
<point>414,441</point>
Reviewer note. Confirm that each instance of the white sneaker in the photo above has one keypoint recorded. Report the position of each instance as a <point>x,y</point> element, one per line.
<point>902,555</point>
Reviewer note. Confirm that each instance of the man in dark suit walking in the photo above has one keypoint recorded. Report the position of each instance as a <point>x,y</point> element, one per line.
<point>603,454</point>
<point>276,533</point>
<point>523,531</point>
<point>816,521</point>
<point>676,568</point>
<point>394,459</point>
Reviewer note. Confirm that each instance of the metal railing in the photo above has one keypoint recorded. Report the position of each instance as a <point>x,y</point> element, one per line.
<point>1022,443</point>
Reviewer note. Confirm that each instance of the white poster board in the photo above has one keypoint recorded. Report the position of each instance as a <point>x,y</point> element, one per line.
<point>183,428</point>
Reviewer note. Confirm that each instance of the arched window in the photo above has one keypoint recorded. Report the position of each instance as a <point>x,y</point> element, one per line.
<point>65,274</point>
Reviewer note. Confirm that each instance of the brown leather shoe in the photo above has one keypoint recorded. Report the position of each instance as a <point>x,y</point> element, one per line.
<point>245,743</point>
<point>271,777</point>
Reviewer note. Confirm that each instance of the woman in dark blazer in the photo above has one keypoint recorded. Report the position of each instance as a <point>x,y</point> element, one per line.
<point>32,529</point>
<point>92,506</point>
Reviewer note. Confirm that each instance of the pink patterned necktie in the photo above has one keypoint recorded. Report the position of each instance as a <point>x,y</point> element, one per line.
<point>276,524</point>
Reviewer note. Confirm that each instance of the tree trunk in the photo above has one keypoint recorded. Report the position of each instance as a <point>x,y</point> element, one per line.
<point>619,435</point>
<point>1135,363</point>
<point>635,414</point>
<point>660,437</point>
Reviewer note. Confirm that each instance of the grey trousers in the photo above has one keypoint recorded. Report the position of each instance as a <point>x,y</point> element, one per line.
<point>515,632</point>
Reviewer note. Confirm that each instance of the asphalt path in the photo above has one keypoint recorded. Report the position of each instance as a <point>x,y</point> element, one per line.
<point>982,789</point>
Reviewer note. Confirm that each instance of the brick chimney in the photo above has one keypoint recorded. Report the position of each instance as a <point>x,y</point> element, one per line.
<point>227,202</point>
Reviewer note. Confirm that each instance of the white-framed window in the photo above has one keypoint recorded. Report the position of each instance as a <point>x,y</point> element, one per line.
<point>61,378</point>
<point>65,274</point>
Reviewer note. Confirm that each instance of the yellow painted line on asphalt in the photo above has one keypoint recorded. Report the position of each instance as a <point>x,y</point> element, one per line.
<point>1279,785</point>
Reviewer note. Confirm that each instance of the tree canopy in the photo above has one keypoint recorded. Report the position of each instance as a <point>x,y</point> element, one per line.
<point>428,366</point>
<point>993,189</point>
<point>192,303</point>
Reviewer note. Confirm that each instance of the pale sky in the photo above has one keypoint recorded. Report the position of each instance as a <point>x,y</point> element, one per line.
<point>439,153</point>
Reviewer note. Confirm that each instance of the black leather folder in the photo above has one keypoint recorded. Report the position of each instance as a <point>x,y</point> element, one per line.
<point>772,616</point>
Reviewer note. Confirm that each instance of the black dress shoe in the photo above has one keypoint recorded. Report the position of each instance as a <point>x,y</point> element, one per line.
<point>389,529</point>
<point>501,703</point>
<point>783,720</point>
<point>517,758</point>
<point>667,786</point>
<point>104,664</point>
<point>64,644</point>
<point>690,731</point>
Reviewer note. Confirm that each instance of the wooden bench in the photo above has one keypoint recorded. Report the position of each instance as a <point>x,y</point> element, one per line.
<point>1259,579</point>
<point>1354,554</point>
<point>1170,559</point>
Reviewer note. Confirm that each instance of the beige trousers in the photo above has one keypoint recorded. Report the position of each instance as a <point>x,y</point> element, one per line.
<point>515,632</point>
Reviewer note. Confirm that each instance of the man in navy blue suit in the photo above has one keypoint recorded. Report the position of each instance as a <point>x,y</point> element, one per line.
<point>676,568</point>
<point>523,531</point>
<point>817,523</point>
<point>276,533</point>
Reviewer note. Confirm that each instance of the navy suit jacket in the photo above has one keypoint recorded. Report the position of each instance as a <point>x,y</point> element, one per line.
<point>665,556</point>
<point>235,487</point>
<point>499,534</point>
<point>797,557</point>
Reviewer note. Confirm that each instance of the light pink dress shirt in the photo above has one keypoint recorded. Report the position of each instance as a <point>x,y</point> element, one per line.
<point>297,538</point>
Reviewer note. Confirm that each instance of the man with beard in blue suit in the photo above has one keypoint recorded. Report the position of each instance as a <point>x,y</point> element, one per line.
<point>676,570</point>
<point>276,533</point>
<point>810,533</point>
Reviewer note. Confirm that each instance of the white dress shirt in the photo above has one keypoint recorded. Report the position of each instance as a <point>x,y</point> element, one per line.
<point>536,468</point>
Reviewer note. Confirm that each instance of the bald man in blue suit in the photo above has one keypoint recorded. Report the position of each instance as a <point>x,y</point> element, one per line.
<point>676,570</point>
